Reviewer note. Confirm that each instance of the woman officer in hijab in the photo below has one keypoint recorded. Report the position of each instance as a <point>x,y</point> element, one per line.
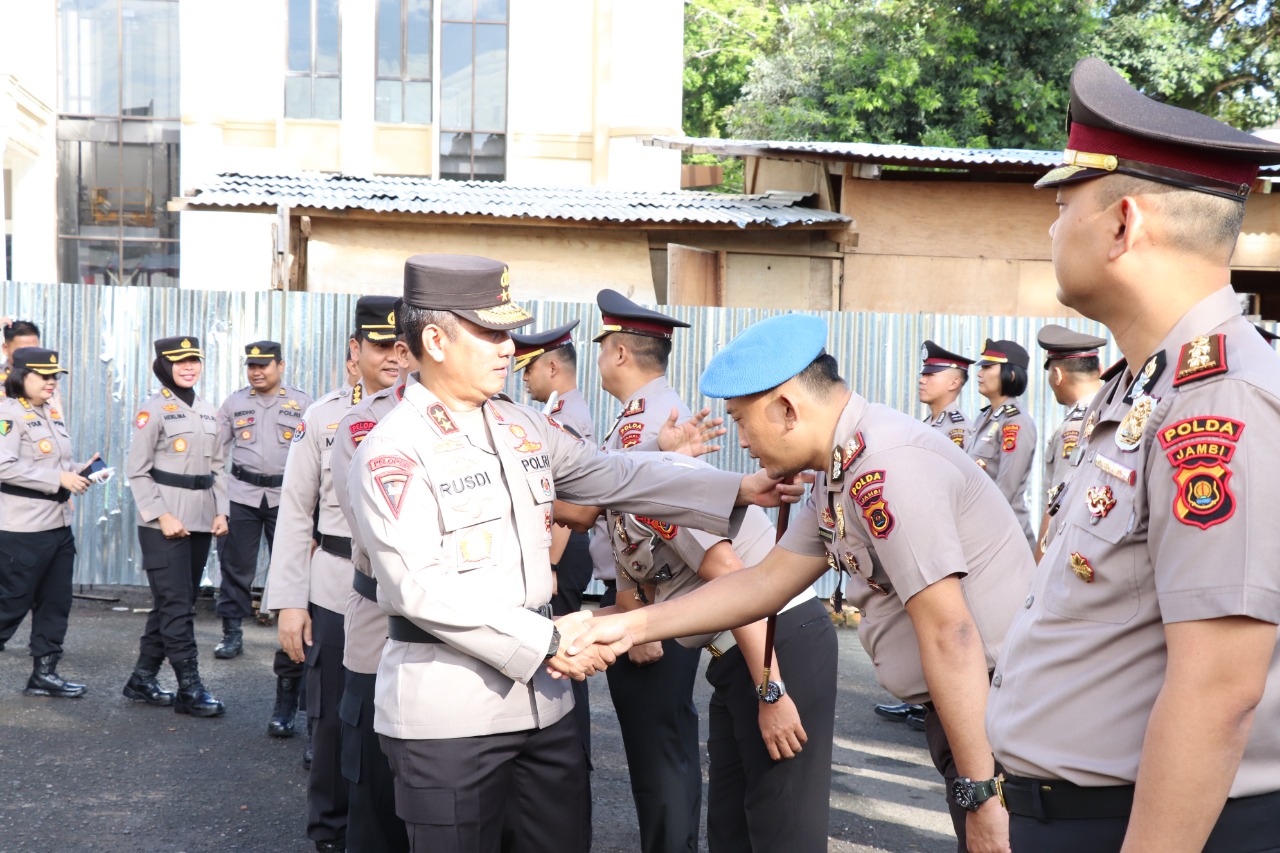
<point>37,551</point>
<point>175,471</point>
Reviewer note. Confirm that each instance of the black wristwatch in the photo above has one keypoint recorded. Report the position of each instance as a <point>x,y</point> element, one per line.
<point>771,691</point>
<point>969,794</point>
<point>555,643</point>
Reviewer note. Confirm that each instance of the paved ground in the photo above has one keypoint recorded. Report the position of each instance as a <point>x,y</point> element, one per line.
<point>103,774</point>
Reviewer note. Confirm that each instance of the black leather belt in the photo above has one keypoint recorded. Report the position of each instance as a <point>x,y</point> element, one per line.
<point>61,496</point>
<point>338,546</point>
<point>253,478</point>
<point>405,631</point>
<point>194,482</point>
<point>366,585</point>
<point>1054,799</point>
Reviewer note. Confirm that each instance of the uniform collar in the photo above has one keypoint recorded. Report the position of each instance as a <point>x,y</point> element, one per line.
<point>847,442</point>
<point>1209,313</point>
<point>649,389</point>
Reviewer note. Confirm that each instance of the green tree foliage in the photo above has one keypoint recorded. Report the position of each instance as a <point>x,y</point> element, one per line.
<point>972,73</point>
<point>721,40</point>
<point>1212,56</point>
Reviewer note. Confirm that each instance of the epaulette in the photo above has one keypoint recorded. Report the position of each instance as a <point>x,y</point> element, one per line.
<point>1201,357</point>
<point>1009,410</point>
<point>634,407</point>
<point>956,417</point>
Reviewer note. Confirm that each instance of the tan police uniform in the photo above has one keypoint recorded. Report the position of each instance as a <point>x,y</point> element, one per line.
<point>954,424</point>
<point>570,409</point>
<point>1003,443</point>
<point>255,431</point>
<point>745,784</point>
<point>1063,443</point>
<point>372,823</point>
<point>171,437</point>
<point>318,581</point>
<point>1158,524</point>
<point>37,549</point>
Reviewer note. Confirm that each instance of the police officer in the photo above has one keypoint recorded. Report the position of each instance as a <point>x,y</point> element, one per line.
<point>37,550</point>
<point>372,823</point>
<point>930,547</point>
<point>1138,698</point>
<point>452,494</point>
<point>550,363</point>
<point>255,425</point>
<point>652,686</point>
<point>761,752</point>
<point>176,473</point>
<point>943,375</point>
<point>1071,360</point>
<point>309,588</point>
<point>1003,442</point>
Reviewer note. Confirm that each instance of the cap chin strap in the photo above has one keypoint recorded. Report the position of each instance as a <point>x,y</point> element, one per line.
<point>1160,174</point>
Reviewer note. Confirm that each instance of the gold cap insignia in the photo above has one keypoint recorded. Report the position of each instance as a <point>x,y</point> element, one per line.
<point>186,343</point>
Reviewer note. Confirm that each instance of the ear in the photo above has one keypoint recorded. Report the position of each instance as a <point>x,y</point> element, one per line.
<point>553,368</point>
<point>1056,376</point>
<point>786,407</point>
<point>1130,226</point>
<point>433,342</point>
<point>353,349</point>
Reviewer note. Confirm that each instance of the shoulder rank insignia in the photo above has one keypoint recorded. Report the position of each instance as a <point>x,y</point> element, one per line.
<point>868,492</point>
<point>557,407</point>
<point>1201,358</point>
<point>1010,410</point>
<point>1129,435</point>
<point>441,418</point>
<point>634,407</point>
<point>956,417</point>
<point>1090,424</point>
<point>166,393</point>
<point>842,457</point>
<point>357,392</point>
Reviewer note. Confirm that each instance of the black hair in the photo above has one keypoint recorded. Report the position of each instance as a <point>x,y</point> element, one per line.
<point>1086,366</point>
<point>651,353</point>
<point>568,356</point>
<point>1013,380</point>
<point>15,383</point>
<point>822,374</point>
<point>21,328</point>
<point>413,320</point>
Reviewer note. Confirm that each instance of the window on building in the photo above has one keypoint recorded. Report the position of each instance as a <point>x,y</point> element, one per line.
<point>312,86</point>
<point>402,92</point>
<point>473,89</point>
<point>118,127</point>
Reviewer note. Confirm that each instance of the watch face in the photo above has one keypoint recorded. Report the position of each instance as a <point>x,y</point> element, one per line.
<point>771,693</point>
<point>962,793</point>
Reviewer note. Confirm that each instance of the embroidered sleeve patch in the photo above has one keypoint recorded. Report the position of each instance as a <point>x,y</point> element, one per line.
<point>6,427</point>
<point>1200,358</point>
<point>868,493</point>
<point>142,419</point>
<point>391,476</point>
<point>1009,437</point>
<point>1199,449</point>
<point>302,428</point>
<point>662,528</point>
<point>1070,438</point>
<point>360,429</point>
<point>957,436</point>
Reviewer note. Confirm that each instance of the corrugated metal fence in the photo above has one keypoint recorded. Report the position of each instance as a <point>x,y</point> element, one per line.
<point>105,334</point>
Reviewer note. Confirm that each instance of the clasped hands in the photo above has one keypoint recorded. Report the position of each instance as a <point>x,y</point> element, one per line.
<point>585,645</point>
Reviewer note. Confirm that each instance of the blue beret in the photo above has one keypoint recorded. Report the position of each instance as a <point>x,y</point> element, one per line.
<point>765,355</point>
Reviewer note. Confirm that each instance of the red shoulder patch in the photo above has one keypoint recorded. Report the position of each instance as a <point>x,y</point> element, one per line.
<point>1009,437</point>
<point>1199,449</point>
<point>662,528</point>
<point>868,493</point>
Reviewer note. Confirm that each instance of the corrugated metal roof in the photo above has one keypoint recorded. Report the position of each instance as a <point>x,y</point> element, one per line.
<point>318,190</point>
<point>987,159</point>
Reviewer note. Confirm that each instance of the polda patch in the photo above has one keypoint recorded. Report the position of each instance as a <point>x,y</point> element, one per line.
<point>868,493</point>
<point>1009,437</point>
<point>391,476</point>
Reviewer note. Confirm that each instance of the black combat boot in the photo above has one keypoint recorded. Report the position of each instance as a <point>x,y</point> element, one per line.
<point>142,685</point>
<point>45,681</point>
<point>232,640</point>
<point>192,698</point>
<point>286,709</point>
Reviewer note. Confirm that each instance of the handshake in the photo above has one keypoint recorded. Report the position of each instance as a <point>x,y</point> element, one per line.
<point>589,644</point>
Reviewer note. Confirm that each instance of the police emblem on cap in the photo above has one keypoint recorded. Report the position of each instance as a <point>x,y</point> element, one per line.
<point>186,343</point>
<point>255,351</point>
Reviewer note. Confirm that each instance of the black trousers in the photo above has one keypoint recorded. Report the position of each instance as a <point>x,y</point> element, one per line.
<point>455,794</point>
<point>238,553</point>
<point>372,824</point>
<point>35,577</point>
<point>573,575</point>
<point>173,569</point>
<point>1246,825</point>
<point>659,724</point>
<point>753,802</point>
<point>325,677</point>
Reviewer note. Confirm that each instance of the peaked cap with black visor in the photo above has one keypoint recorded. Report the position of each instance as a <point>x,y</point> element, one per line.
<point>1115,129</point>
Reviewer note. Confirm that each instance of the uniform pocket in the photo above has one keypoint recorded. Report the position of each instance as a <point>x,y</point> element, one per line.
<point>152,561</point>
